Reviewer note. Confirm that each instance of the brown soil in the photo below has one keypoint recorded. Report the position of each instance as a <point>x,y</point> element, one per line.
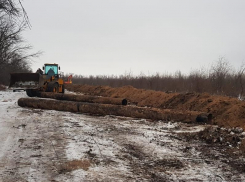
<point>76,164</point>
<point>232,137</point>
<point>226,111</point>
<point>229,142</point>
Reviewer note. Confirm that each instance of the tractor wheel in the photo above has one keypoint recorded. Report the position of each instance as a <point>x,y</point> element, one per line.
<point>55,88</point>
<point>63,89</point>
<point>49,87</point>
<point>31,93</point>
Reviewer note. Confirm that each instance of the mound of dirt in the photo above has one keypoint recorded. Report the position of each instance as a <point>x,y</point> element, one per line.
<point>229,144</point>
<point>232,137</point>
<point>226,111</point>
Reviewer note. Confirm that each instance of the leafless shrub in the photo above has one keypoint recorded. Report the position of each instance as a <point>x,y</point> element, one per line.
<point>219,79</point>
<point>219,74</point>
<point>240,78</point>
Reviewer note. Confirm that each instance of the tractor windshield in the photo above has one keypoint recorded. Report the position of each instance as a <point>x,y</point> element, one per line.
<point>51,70</point>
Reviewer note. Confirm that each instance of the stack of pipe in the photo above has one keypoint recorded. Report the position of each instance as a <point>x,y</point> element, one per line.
<point>104,106</point>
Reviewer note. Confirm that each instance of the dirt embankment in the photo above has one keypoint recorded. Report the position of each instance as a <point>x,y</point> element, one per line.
<point>226,111</point>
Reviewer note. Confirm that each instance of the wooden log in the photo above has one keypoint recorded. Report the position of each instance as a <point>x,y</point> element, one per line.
<point>106,109</point>
<point>83,98</point>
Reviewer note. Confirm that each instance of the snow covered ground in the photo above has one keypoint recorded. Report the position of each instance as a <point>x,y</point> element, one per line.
<point>41,145</point>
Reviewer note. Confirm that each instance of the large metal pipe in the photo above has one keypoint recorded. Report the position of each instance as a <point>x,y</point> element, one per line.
<point>106,109</point>
<point>83,98</point>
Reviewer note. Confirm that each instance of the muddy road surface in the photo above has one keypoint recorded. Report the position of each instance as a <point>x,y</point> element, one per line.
<point>39,145</point>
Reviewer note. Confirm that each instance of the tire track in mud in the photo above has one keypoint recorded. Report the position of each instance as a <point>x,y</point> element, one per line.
<point>145,166</point>
<point>141,165</point>
<point>109,149</point>
<point>182,160</point>
<point>39,151</point>
<point>12,156</point>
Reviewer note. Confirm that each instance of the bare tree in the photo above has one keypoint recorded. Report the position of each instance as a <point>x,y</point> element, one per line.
<point>218,73</point>
<point>9,7</point>
<point>240,77</point>
<point>13,9</point>
<point>13,50</point>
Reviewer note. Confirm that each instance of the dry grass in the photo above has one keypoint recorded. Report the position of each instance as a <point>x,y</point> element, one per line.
<point>76,164</point>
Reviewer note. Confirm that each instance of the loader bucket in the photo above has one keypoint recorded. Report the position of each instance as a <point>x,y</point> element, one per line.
<point>25,80</point>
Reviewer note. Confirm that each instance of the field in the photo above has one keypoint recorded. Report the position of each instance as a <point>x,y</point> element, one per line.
<point>48,145</point>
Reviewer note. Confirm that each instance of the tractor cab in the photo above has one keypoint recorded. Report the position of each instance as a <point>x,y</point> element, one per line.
<point>51,70</point>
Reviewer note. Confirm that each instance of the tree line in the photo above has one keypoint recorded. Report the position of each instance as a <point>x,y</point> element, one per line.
<point>219,79</point>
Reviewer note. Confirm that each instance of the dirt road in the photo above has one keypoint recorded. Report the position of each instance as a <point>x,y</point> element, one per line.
<point>39,145</point>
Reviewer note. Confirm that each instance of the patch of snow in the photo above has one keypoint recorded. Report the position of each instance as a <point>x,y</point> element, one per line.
<point>193,129</point>
<point>74,151</point>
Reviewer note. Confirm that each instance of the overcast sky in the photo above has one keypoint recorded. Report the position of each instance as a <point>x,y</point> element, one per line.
<point>105,37</point>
